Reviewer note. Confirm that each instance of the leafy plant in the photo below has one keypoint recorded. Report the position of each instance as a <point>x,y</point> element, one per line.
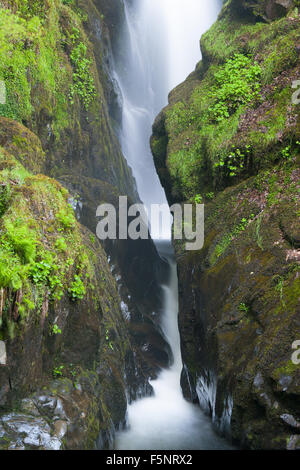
<point>66,219</point>
<point>236,83</point>
<point>198,199</point>
<point>235,162</point>
<point>108,340</point>
<point>40,271</point>
<point>4,198</point>
<point>61,244</point>
<point>55,330</point>
<point>83,82</point>
<point>243,307</point>
<point>286,152</point>
<point>229,237</point>
<point>58,371</point>
<point>77,289</point>
<point>56,286</point>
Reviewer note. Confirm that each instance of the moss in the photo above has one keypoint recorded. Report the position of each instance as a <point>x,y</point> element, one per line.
<point>212,143</point>
<point>287,369</point>
<point>35,214</point>
<point>37,72</point>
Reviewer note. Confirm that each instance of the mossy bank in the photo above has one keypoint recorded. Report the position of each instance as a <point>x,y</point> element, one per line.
<point>230,138</point>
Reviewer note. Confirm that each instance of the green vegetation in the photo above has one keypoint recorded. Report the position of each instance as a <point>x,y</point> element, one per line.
<point>235,162</point>
<point>234,117</point>
<point>55,330</point>
<point>77,289</point>
<point>83,82</point>
<point>236,83</point>
<point>108,340</point>
<point>34,65</point>
<point>198,199</point>
<point>244,308</point>
<point>58,371</point>
<point>41,250</point>
<point>19,39</point>
<point>226,240</point>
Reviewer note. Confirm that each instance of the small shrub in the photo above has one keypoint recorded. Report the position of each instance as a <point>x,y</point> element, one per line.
<point>237,83</point>
<point>55,330</point>
<point>243,308</point>
<point>77,289</point>
<point>83,82</point>
<point>66,219</point>
<point>22,240</point>
<point>58,371</point>
<point>61,244</point>
<point>234,163</point>
<point>198,199</point>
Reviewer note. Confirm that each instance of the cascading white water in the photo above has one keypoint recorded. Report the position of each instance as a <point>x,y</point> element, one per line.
<point>162,47</point>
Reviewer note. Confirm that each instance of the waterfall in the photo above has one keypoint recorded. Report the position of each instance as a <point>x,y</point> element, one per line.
<point>160,46</point>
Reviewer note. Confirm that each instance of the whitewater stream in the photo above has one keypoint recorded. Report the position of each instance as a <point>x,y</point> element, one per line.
<point>160,48</point>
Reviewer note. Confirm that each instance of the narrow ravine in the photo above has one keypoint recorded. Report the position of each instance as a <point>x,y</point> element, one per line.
<point>160,48</point>
<point>166,421</point>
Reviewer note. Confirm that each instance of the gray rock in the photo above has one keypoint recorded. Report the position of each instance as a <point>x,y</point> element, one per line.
<point>22,423</point>
<point>290,420</point>
<point>51,444</point>
<point>258,380</point>
<point>46,404</point>
<point>16,445</point>
<point>28,406</point>
<point>285,381</point>
<point>3,356</point>
<point>59,409</point>
<point>294,443</point>
<point>60,429</point>
<point>29,431</point>
<point>2,431</point>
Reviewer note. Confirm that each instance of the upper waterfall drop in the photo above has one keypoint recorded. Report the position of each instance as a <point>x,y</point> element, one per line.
<point>185,24</point>
<point>160,45</point>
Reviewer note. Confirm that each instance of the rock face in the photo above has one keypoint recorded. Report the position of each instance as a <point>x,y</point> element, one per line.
<point>266,9</point>
<point>70,358</point>
<point>239,296</point>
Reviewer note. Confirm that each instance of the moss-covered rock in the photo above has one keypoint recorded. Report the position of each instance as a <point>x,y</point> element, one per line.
<point>59,309</point>
<point>234,115</point>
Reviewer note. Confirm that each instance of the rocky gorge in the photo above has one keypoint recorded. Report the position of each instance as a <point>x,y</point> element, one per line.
<point>81,334</point>
<point>71,358</point>
<point>229,139</point>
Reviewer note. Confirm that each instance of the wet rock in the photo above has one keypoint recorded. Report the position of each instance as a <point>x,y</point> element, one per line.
<point>290,420</point>
<point>3,357</point>
<point>266,9</point>
<point>258,380</point>
<point>284,382</point>
<point>28,406</point>
<point>294,443</point>
<point>59,410</point>
<point>46,404</point>
<point>29,432</point>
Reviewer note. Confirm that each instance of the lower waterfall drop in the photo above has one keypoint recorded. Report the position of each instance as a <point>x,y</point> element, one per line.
<point>166,421</point>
